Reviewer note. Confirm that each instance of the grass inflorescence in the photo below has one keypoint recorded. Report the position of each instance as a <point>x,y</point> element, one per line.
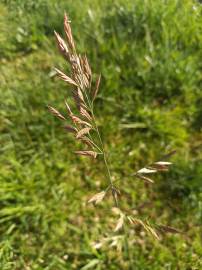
<point>85,129</point>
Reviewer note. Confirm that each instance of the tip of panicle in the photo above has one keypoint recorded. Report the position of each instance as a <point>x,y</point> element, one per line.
<point>66,18</point>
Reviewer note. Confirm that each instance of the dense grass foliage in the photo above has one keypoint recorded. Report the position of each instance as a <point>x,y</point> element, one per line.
<point>149,54</point>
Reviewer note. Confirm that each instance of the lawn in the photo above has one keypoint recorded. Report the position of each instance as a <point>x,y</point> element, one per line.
<point>150,102</point>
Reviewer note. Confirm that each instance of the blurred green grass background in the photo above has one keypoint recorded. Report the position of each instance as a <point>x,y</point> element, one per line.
<point>149,54</point>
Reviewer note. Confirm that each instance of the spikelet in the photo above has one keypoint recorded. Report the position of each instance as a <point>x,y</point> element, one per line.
<point>84,113</point>
<point>83,132</point>
<point>147,227</point>
<point>56,113</point>
<point>86,153</point>
<point>152,231</point>
<point>146,170</point>
<point>168,155</point>
<point>68,109</point>
<point>120,223</point>
<point>62,45</point>
<point>87,141</point>
<point>146,179</point>
<point>97,198</point>
<point>78,98</point>
<point>97,84</point>
<point>68,33</point>
<point>70,129</point>
<point>77,120</point>
<point>163,163</point>
<point>64,77</point>
<point>87,68</point>
<point>80,95</point>
<point>168,229</point>
<point>138,222</point>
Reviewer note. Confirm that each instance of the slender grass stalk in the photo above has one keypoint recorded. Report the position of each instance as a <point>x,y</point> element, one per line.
<point>106,163</point>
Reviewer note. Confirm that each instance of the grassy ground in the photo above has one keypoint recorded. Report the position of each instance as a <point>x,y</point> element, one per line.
<point>149,53</point>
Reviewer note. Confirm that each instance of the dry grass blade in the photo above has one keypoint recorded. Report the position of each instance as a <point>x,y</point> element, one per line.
<point>56,113</point>
<point>94,94</point>
<point>86,153</point>
<point>97,198</point>
<point>83,132</point>
<point>64,77</point>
